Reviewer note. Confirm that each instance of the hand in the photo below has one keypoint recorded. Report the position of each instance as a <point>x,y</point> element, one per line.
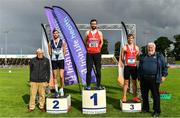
<point>121,64</point>
<point>163,79</point>
<point>101,46</point>
<point>46,84</point>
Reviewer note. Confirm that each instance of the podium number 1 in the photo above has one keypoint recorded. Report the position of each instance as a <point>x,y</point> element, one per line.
<point>56,103</point>
<point>94,96</point>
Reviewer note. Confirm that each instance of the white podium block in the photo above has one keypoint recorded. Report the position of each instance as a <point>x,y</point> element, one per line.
<point>58,105</point>
<point>94,101</point>
<point>130,106</point>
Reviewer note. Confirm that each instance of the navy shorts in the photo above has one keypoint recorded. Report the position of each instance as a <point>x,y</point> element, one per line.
<point>57,64</point>
<point>130,71</point>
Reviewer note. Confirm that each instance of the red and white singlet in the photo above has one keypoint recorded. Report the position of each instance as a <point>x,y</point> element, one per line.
<point>93,43</point>
<point>130,56</point>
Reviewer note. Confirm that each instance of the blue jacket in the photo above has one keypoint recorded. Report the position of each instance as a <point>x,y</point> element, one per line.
<point>161,67</point>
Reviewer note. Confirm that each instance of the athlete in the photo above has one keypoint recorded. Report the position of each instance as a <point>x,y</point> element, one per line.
<point>57,50</point>
<point>94,42</point>
<point>128,59</point>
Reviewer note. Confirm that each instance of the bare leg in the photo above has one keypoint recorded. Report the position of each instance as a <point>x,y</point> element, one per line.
<point>55,80</point>
<point>134,88</point>
<point>62,77</point>
<point>126,82</point>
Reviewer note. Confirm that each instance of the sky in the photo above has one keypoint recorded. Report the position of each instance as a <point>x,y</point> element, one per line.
<point>22,19</point>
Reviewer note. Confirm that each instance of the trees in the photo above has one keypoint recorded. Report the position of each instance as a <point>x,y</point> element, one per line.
<point>163,45</point>
<point>177,47</point>
<point>143,49</point>
<point>117,49</point>
<point>104,49</point>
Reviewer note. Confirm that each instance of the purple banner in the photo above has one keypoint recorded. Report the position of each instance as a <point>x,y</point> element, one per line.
<point>75,42</point>
<point>70,76</point>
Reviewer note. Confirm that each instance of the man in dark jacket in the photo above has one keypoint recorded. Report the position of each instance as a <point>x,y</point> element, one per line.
<point>39,79</point>
<point>151,72</point>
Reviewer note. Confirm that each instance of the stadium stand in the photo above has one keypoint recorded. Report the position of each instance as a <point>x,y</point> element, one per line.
<point>23,60</point>
<point>15,60</point>
<point>109,60</point>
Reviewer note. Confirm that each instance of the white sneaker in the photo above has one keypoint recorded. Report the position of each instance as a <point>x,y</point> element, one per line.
<point>61,92</point>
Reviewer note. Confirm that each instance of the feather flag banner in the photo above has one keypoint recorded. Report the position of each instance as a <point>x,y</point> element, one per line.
<point>124,35</point>
<point>70,75</point>
<point>74,41</point>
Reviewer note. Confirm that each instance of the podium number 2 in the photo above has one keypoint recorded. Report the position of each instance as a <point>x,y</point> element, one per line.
<point>94,96</point>
<point>56,103</point>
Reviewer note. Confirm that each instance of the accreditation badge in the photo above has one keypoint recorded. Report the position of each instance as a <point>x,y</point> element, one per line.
<point>131,60</point>
<point>93,43</point>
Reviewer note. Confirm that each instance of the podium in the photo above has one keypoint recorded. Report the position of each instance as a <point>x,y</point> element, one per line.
<point>94,101</point>
<point>130,106</point>
<point>58,105</point>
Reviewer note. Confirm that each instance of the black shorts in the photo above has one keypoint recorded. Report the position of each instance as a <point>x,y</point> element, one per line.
<point>130,71</point>
<point>57,64</point>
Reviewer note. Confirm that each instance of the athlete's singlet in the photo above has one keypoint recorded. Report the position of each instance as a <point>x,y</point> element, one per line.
<point>57,50</point>
<point>93,43</point>
<point>130,56</point>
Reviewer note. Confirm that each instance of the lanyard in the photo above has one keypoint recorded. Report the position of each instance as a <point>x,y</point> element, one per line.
<point>56,43</point>
<point>93,33</point>
<point>131,49</point>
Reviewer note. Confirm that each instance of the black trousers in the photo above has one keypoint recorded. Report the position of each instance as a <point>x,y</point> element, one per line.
<point>146,85</point>
<point>96,59</point>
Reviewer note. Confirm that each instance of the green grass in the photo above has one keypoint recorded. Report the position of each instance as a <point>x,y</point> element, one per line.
<point>177,62</point>
<point>14,95</point>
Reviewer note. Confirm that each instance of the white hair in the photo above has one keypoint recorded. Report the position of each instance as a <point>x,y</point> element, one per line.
<point>151,43</point>
<point>39,50</point>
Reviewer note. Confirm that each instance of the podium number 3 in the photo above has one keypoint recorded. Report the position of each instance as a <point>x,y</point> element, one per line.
<point>94,96</point>
<point>132,107</point>
<point>56,103</point>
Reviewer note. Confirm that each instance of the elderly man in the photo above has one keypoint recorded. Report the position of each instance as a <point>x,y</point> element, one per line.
<point>151,72</point>
<point>39,77</point>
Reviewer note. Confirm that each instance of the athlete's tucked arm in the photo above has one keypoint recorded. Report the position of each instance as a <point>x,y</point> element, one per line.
<point>49,49</point>
<point>64,47</point>
<point>121,57</point>
<point>137,50</point>
<point>85,39</point>
<point>101,38</point>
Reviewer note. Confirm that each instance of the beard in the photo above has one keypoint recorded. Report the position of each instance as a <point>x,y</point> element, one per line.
<point>93,27</point>
<point>55,37</point>
<point>130,42</point>
<point>151,52</point>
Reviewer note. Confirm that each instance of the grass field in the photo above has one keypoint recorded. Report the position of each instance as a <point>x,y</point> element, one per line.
<point>14,96</point>
<point>177,62</point>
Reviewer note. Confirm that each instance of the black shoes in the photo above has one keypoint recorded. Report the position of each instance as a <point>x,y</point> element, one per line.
<point>145,111</point>
<point>42,110</point>
<point>155,114</point>
<point>95,88</point>
<point>56,95</point>
<point>87,88</point>
<point>98,88</point>
<point>30,110</point>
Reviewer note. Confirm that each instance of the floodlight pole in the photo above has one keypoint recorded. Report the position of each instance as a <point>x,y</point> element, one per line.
<point>1,51</point>
<point>6,36</point>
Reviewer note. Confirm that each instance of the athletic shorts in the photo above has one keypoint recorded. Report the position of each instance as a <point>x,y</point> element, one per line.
<point>130,71</point>
<point>57,64</point>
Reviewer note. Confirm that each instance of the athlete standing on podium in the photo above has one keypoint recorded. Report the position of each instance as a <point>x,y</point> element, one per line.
<point>128,59</point>
<point>94,42</point>
<point>57,50</point>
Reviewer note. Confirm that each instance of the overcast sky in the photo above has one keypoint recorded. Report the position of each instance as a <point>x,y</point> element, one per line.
<point>22,18</point>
